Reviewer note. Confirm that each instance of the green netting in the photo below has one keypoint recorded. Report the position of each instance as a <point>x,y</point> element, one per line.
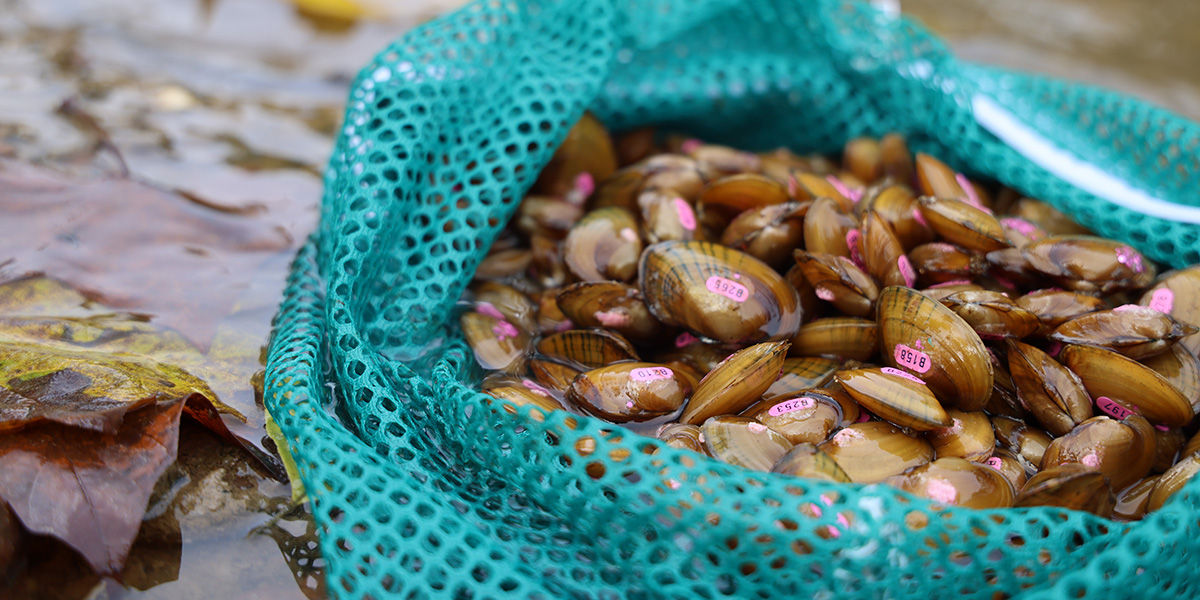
<point>422,489</point>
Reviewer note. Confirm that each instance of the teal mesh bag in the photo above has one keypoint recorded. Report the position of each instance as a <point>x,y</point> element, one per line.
<point>424,490</point>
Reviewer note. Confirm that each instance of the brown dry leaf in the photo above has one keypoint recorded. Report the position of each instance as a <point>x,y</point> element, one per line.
<point>89,488</point>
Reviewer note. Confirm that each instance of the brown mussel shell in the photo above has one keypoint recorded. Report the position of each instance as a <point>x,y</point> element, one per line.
<point>1173,480</point>
<point>963,224</point>
<point>970,436</point>
<point>882,254</point>
<point>839,337</point>
<point>628,391</point>
<point>806,460</point>
<point>1112,447</point>
<point>992,314</point>
<point>1054,307</point>
<point>1110,375</point>
<point>743,442</point>
<point>667,216</point>
<point>768,233</point>
<point>498,345</point>
<point>603,245</point>
<point>1181,369</point>
<point>586,348</point>
<point>1071,486</point>
<point>616,306</point>
<point>1090,264</point>
<point>808,417</point>
<point>725,198</point>
<point>1024,440</point>
<point>505,302</point>
<point>896,396</point>
<point>517,394</point>
<point>826,228</point>
<point>587,149</point>
<point>1178,294</point>
<point>957,482</point>
<point>875,450</point>
<point>923,336</point>
<point>939,262</point>
<point>801,374</point>
<point>736,383</point>
<point>1052,392</point>
<point>1133,501</point>
<point>683,437</point>
<point>1135,331</point>
<point>837,280</point>
<point>718,292</point>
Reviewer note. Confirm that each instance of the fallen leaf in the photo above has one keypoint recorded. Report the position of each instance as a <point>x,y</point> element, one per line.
<point>92,365</point>
<point>89,488</point>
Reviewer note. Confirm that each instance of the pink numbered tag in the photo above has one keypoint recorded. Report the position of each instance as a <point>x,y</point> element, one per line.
<point>1128,307</point>
<point>585,184</point>
<point>906,270</point>
<point>487,308</point>
<point>505,330</point>
<point>1112,409</point>
<point>843,189</point>
<point>529,383</point>
<point>941,491</point>
<point>612,318</point>
<point>756,427</point>
<point>690,145</point>
<point>1163,300</point>
<point>792,405</point>
<point>728,288</point>
<point>824,293</point>
<point>1130,258</point>
<point>1090,460</point>
<point>904,374</point>
<point>918,217</point>
<point>685,339</point>
<point>994,462</point>
<point>687,217</point>
<point>852,237</point>
<point>912,358</point>
<point>651,373</point>
<point>1021,226</point>
<point>972,198</point>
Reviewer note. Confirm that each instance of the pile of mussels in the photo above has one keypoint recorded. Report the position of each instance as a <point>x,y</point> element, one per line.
<point>883,320</point>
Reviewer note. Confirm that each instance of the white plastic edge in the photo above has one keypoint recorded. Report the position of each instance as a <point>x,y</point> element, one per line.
<point>1086,176</point>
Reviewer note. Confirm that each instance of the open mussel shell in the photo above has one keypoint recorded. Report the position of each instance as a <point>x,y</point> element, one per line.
<point>992,314</point>
<point>587,149</point>
<point>1110,375</point>
<point>1173,480</point>
<point>603,245</point>
<point>1135,331</point>
<point>1053,393</point>
<point>768,233</point>
<point>963,224</point>
<point>1090,264</point>
<point>1181,369</point>
<point>1124,454</point>
<point>837,280</point>
<point>926,338</point>
<point>683,437</point>
<point>612,305</point>
<point>629,391</point>
<point>840,337</point>
<point>806,460</point>
<point>954,481</point>
<point>1022,439</point>
<point>1178,294</point>
<point>808,417</point>
<point>827,228</point>
<point>939,262</point>
<point>875,450</point>
<point>969,436</point>
<point>1054,307</point>
<point>896,396</point>
<point>718,292</point>
<point>736,383</point>
<point>743,442</point>
<point>801,374</point>
<point>1133,501</point>
<point>1071,486</point>
<point>498,345</point>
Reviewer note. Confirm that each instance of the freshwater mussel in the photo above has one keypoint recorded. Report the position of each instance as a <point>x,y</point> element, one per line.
<point>889,320</point>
